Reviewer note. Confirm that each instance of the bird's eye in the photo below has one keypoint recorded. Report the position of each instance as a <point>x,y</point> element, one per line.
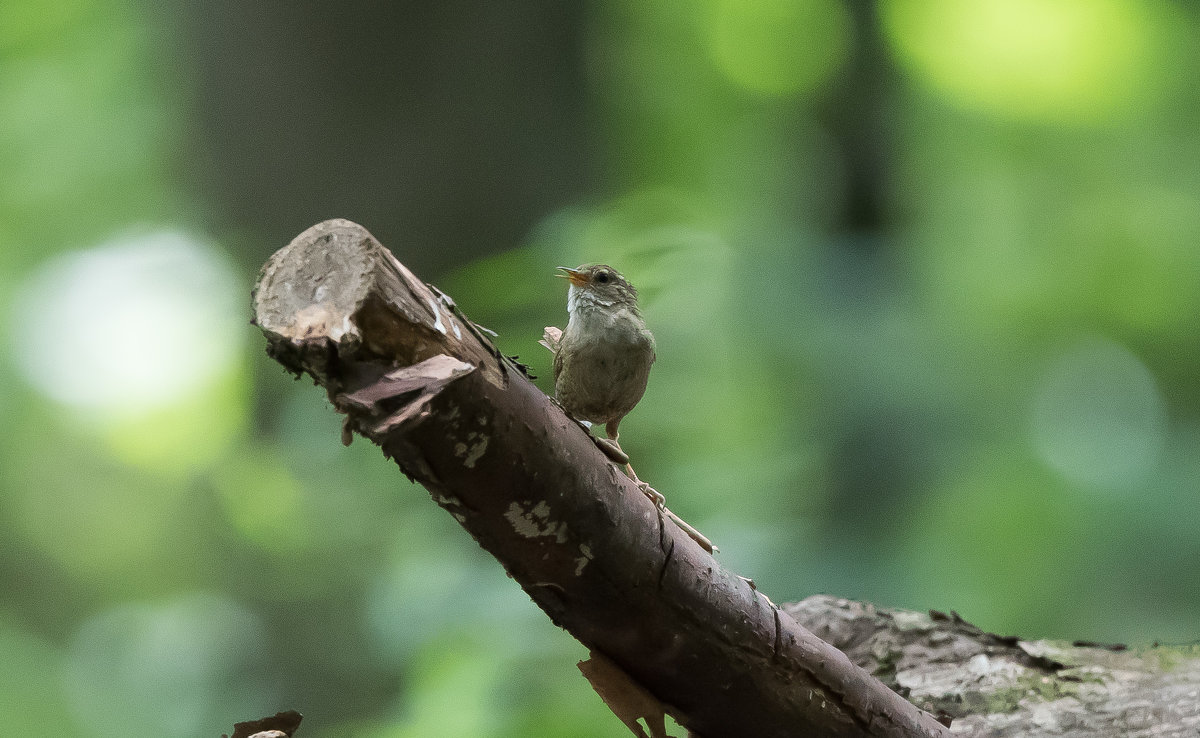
<point>602,277</point>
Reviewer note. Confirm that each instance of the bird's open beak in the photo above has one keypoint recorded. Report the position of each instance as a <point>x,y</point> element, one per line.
<point>578,278</point>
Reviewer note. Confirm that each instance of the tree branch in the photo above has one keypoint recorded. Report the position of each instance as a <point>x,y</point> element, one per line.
<point>416,377</point>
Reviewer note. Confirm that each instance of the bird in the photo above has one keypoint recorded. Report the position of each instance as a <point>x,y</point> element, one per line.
<point>602,360</point>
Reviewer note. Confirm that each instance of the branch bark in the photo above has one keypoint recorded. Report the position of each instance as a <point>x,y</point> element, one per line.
<point>416,377</point>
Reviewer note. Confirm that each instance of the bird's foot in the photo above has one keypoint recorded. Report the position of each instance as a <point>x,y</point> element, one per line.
<point>655,496</point>
<point>694,534</point>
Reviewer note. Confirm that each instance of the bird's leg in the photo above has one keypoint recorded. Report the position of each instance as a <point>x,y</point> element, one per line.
<point>610,448</point>
<point>655,496</point>
<point>659,500</point>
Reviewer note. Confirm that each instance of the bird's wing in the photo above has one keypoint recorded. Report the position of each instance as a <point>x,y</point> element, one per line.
<point>558,365</point>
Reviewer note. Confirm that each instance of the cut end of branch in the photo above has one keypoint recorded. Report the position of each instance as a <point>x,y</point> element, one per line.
<point>312,286</point>
<point>335,293</point>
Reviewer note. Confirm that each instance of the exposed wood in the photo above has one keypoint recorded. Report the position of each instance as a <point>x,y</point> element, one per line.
<point>416,377</point>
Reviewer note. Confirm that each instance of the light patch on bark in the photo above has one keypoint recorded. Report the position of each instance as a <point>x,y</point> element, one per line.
<point>582,561</point>
<point>437,316</point>
<point>445,500</point>
<point>472,449</point>
<point>438,325</point>
<point>535,523</point>
<point>321,319</point>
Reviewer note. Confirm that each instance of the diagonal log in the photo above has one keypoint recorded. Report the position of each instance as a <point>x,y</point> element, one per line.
<point>416,377</point>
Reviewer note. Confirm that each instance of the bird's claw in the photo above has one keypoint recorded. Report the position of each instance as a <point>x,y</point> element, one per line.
<point>655,496</point>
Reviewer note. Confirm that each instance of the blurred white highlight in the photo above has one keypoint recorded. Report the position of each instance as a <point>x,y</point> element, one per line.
<point>1098,417</point>
<point>131,325</point>
<point>168,669</point>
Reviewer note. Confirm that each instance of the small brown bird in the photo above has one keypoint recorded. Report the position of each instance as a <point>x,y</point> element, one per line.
<point>602,360</point>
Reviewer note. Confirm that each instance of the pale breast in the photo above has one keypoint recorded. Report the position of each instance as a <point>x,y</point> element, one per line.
<point>603,365</point>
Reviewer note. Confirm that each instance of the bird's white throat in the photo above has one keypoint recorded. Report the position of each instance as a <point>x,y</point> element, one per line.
<point>581,299</point>
<point>593,316</point>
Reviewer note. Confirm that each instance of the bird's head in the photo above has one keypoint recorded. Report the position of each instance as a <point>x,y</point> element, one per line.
<point>597,285</point>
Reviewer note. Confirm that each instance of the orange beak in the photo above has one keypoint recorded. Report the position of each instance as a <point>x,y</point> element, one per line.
<point>578,278</point>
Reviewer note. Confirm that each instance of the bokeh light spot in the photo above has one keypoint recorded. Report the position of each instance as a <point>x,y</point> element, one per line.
<point>263,501</point>
<point>992,533</point>
<point>1041,59</point>
<point>99,521</point>
<point>778,47</point>
<point>162,670</point>
<point>31,699</point>
<point>130,326</point>
<point>1098,418</point>
<point>190,434</point>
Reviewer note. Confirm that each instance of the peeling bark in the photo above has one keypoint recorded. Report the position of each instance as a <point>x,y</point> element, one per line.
<point>416,377</point>
<point>625,697</point>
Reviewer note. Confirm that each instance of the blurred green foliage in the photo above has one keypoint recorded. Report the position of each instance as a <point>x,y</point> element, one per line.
<point>924,278</point>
